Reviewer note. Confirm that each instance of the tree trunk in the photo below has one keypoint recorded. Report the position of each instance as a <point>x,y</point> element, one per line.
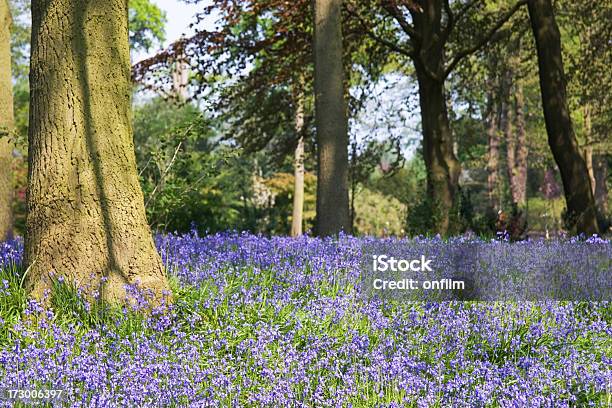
<point>519,174</point>
<point>86,219</point>
<point>6,124</point>
<point>493,151</point>
<point>600,168</point>
<point>588,148</point>
<point>331,121</point>
<point>509,132</point>
<point>298,170</point>
<point>561,138</point>
<point>516,148</point>
<point>443,168</point>
<point>180,79</point>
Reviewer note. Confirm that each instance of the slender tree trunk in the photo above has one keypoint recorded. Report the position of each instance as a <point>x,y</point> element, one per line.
<point>180,79</point>
<point>516,148</point>
<point>509,133</point>
<point>561,137</point>
<point>588,148</point>
<point>331,121</point>
<point>6,124</point>
<point>298,170</point>
<point>601,179</point>
<point>522,151</point>
<point>493,151</point>
<point>86,219</point>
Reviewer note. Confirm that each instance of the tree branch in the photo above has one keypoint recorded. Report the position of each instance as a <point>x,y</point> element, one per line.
<point>409,52</point>
<point>395,12</point>
<point>450,23</point>
<point>485,39</point>
<point>165,173</point>
<point>453,19</point>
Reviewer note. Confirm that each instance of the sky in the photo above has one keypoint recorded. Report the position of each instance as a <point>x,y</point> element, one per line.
<point>179,16</point>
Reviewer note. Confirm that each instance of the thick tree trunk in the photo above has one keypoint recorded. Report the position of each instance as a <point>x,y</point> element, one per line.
<point>519,173</point>
<point>443,168</point>
<point>561,137</point>
<point>331,121</point>
<point>86,219</point>
<point>6,124</point>
<point>298,170</point>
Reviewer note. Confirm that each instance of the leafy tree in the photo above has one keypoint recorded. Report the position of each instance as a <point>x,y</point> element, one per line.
<point>265,47</point>
<point>582,215</point>
<point>147,24</point>
<point>189,177</point>
<point>436,35</point>
<point>587,58</point>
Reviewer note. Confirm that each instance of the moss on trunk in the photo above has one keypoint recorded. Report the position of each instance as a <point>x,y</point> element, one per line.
<point>86,218</point>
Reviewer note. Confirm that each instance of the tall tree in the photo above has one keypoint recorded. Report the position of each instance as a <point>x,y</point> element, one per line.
<point>515,135</point>
<point>518,167</point>
<point>331,120</point>
<point>587,61</point>
<point>429,28</point>
<point>6,124</point>
<point>86,219</point>
<point>601,183</point>
<point>492,118</point>
<point>561,138</point>
<point>298,169</point>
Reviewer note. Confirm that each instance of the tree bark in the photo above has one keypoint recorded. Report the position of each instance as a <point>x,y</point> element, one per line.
<point>509,132</point>
<point>519,174</point>
<point>588,148</point>
<point>493,151</point>
<point>561,138</point>
<point>600,168</point>
<point>6,124</point>
<point>331,120</point>
<point>86,220</point>
<point>516,148</point>
<point>298,170</point>
<point>443,168</point>
<point>180,79</point>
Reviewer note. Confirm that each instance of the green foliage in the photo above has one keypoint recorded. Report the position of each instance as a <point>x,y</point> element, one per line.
<point>405,184</point>
<point>277,219</point>
<point>20,38</point>
<point>545,215</point>
<point>147,24</point>
<point>188,177</point>
<point>13,297</point>
<point>378,215</point>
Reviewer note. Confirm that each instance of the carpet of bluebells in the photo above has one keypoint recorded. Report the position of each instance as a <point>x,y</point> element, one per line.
<point>279,322</point>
